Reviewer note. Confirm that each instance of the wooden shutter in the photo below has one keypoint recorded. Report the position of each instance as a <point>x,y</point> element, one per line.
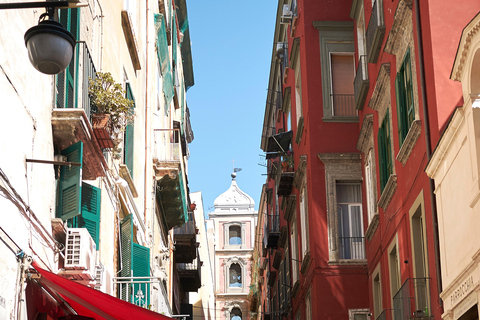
<point>400,95</point>
<point>381,155</point>
<point>90,217</point>
<point>70,183</point>
<point>410,109</point>
<point>128,142</point>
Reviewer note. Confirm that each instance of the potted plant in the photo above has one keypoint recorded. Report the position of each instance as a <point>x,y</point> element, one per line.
<point>111,110</point>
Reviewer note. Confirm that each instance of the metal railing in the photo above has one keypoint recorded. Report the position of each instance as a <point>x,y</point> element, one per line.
<point>136,290</point>
<point>194,265</point>
<point>361,81</point>
<point>89,71</point>
<point>167,146</point>
<point>375,31</point>
<point>351,247</point>
<point>343,105</point>
<point>187,228</point>
<point>412,300</point>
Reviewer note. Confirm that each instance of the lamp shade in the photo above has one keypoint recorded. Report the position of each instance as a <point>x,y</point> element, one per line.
<point>50,47</point>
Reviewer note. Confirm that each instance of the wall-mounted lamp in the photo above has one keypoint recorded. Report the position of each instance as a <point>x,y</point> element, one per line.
<point>50,46</point>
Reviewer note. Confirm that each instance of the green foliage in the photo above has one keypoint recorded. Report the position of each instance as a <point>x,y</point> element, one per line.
<point>108,97</point>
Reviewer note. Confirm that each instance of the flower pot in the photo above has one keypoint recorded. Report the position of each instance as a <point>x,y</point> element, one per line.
<point>101,129</point>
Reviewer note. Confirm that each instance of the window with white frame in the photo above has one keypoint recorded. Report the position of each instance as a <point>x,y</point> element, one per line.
<point>342,76</point>
<point>294,244</point>
<point>298,91</point>
<point>370,185</point>
<point>304,218</point>
<point>377,292</point>
<point>361,39</point>
<point>235,276</point>
<point>234,234</point>
<point>350,221</point>
<point>308,305</point>
<point>358,314</point>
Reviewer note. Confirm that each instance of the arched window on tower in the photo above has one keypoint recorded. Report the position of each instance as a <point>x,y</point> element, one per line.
<point>234,235</point>
<point>235,276</point>
<point>236,314</point>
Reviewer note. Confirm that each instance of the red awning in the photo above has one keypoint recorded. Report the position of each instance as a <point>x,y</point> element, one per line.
<point>93,303</point>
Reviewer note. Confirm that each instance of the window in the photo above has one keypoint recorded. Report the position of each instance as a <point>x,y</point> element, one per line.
<point>67,80</point>
<point>129,131</point>
<point>298,92</point>
<point>350,220</point>
<point>304,218</point>
<point>342,75</point>
<point>358,314</point>
<point>394,269</point>
<point>236,314</point>
<point>370,179</point>
<point>338,70</point>
<point>234,235</point>
<point>235,276</point>
<point>294,244</point>
<point>385,151</point>
<point>135,262</point>
<point>77,202</point>
<point>308,305</point>
<point>361,41</point>
<point>404,94</point>
<point>377,293</point>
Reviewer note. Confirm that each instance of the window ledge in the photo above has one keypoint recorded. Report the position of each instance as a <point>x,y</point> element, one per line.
<point>305,262</point>
<point>298,135</point>
<point>131,40</point>
<point>340,119</point>
<point>388,192</point>
<point>296,286</point>
<point>409,142</point>
<point>372,227</point>
<point>348,262</point>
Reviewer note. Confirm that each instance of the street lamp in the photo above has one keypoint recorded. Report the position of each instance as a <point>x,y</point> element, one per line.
<point>50,46</point>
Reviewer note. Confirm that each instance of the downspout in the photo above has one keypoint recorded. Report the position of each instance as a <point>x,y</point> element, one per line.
<point>429,149</point>
<point>146,117</point>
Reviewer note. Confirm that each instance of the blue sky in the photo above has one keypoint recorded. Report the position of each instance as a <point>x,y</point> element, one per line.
<point>231,47</point>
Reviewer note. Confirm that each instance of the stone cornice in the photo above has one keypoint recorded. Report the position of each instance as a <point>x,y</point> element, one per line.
<point>300,173</point>
<point>382,87</point>
<point>403,16</point>
<point>409,142</point>
<point>365,133</point>
<point>469,32</point>
<point>388,192</point>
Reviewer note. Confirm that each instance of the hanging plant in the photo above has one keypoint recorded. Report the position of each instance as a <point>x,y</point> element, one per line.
<point>108,98</point>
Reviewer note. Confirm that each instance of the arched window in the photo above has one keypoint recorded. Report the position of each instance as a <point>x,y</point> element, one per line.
<point>234,235</point>
<point>235,276</point>
<point>236,314</point>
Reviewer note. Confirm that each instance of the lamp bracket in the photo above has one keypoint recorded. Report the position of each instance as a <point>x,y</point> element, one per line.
<point>28,5</point>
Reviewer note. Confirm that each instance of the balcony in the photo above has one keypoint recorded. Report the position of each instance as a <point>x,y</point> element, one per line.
<point>361,83</point>
<point>285,176</point>
<point>167,153</point>
<point>71,119</point>
<point>279,144</point>
<point>137,290</point>
<point>412,301</point>
<point>185,242</point>
<point>190,274</point>
<point>273,231</point>
<point>351,247</point>
<point>375,32</point>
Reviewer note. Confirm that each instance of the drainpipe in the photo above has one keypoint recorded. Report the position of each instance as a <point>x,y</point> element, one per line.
<point>429,148</point>
<point>147,180</point>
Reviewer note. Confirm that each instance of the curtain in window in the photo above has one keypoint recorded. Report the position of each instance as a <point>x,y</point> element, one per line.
<point>343,74</point>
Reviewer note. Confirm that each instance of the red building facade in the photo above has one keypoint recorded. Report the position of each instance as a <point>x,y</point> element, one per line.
<point>358,96</point>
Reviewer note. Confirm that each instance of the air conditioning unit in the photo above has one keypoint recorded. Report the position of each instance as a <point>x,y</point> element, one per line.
<point>80,253</point>
<point>280,48</point>
<point>287,15</point>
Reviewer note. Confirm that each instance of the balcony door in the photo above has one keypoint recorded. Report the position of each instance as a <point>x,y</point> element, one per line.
<point>350,222</point>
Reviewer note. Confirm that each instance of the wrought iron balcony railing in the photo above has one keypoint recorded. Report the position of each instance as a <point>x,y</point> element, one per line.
<point>375,32</point>
<point>136,290</point>
<point>351,247</point>
<point>361,83</point>
<point>344,105</point>
<point>167,146</point>
<point>412,301</point>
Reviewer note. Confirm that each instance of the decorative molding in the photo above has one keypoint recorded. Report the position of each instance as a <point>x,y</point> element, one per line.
<point>296,286</point>
<point>286,99</point>
<point>380,99</point>
<point>464,46</point>
<point>290,210</point>
<point>402,25</point>
<point>295,52</point>
<point>305,262</point>
<point>299,133</point>
<point>131,40</point>
<point>409,142</point>
<point>372,227</point>
<point>366,133</point>
<point>388,192</point>
<point>300,173</point>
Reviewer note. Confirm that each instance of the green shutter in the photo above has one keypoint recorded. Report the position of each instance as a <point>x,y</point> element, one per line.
<point>135,263</point>
<point>404,95</point>
<point>70,183</point>
<point>128,141</point>
<point>410,116</point>
<point>90,217</point>
<point>66,81</point>
<point>384,151</point>
<point>388,145</point>
<point>164,59</point>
